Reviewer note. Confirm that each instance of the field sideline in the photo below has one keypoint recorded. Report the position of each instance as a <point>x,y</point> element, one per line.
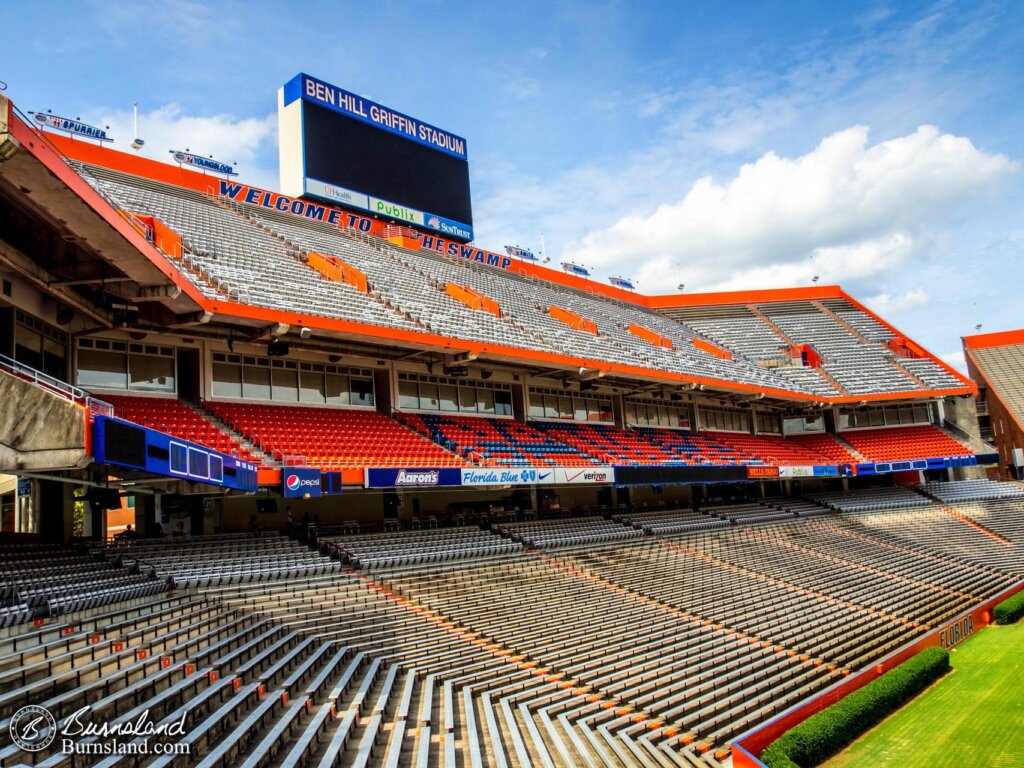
<point>972,717</point>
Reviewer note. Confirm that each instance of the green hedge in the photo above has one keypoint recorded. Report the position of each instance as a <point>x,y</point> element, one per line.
<point>822,735</point>
<point>1011,610</point>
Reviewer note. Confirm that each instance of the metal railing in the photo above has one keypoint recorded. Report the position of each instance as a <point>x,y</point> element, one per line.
<point>976,444</point>
<point>56,386</point>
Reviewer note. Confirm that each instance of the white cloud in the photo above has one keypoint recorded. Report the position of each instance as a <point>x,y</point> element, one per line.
<point>847,210</point>
<point>955,359</point>
<point>522,88</point>
<point>226,137</point>
<point>886,304</point>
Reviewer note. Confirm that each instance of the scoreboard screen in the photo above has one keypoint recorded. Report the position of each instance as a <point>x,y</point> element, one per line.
<point>342,148</point>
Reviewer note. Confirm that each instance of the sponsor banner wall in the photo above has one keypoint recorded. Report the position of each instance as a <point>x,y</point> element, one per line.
<point>668,475</point>
<point>296,482</point>
<point>758,471</point>
<point>818,470</point>
<point>473,477</point>
<point>415,477</point>
<point>583,475</point>
<point>805,471</point>
<point>506,476</point>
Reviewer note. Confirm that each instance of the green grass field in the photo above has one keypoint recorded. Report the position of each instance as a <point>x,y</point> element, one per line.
<point>974,716</point>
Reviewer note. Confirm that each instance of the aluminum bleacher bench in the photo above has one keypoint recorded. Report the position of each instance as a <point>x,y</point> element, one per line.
<point>234,743</point>
<point>308,739</point>
<point>199,733</point>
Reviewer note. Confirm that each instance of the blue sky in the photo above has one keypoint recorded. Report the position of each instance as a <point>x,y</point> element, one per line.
<point>720,145</point>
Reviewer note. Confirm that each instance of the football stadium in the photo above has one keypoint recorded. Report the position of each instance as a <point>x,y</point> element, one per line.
<point>304,477</point>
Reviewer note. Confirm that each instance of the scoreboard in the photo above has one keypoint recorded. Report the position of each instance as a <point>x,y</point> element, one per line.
<point>345,149</point>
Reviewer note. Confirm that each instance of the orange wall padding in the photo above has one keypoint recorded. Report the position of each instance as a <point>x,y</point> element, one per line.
<point>808,354</point>
<point>573,320</point>
<point>905,347</point>
<point>164,238</point>
<point>472,299</point>
<point>650,336</point>
<point>712,349</point>
<point>337,270</point>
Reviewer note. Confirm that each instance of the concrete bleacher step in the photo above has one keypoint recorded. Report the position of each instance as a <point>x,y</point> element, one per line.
<point>226,429</point>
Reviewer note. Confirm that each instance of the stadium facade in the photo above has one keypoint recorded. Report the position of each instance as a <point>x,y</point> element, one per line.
<point>400,500</point>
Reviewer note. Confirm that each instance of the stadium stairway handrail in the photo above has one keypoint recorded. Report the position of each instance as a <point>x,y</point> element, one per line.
<point>56,386</point>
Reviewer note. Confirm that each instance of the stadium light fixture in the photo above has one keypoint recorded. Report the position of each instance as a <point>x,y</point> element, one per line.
<point>815,279</point>
<point>137,143</point>
<point>681,286</point>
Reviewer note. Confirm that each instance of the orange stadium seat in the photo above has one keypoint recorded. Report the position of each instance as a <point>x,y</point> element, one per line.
<point>176,418</point>
<point>773,449</point>
<point>498,442</point>
<point>904,443</point>
<point>332,438</point>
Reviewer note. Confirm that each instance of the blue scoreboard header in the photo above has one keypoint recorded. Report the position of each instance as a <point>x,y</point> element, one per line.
<point>303,86</point>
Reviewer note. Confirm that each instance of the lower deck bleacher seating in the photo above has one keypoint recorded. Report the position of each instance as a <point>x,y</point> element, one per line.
<point>221,559</point>
<point>921,441</point>
<point>38,580</point>
<point>176,418</point>
<point>972,490</point>
<point>649,651</point>
<point>664,521</point>
<point>747,513</point>
<point>563,533</point>
<point>867,499</point>
<point>413,547</point>
<point>332,438</point>
<point>497,442</point>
